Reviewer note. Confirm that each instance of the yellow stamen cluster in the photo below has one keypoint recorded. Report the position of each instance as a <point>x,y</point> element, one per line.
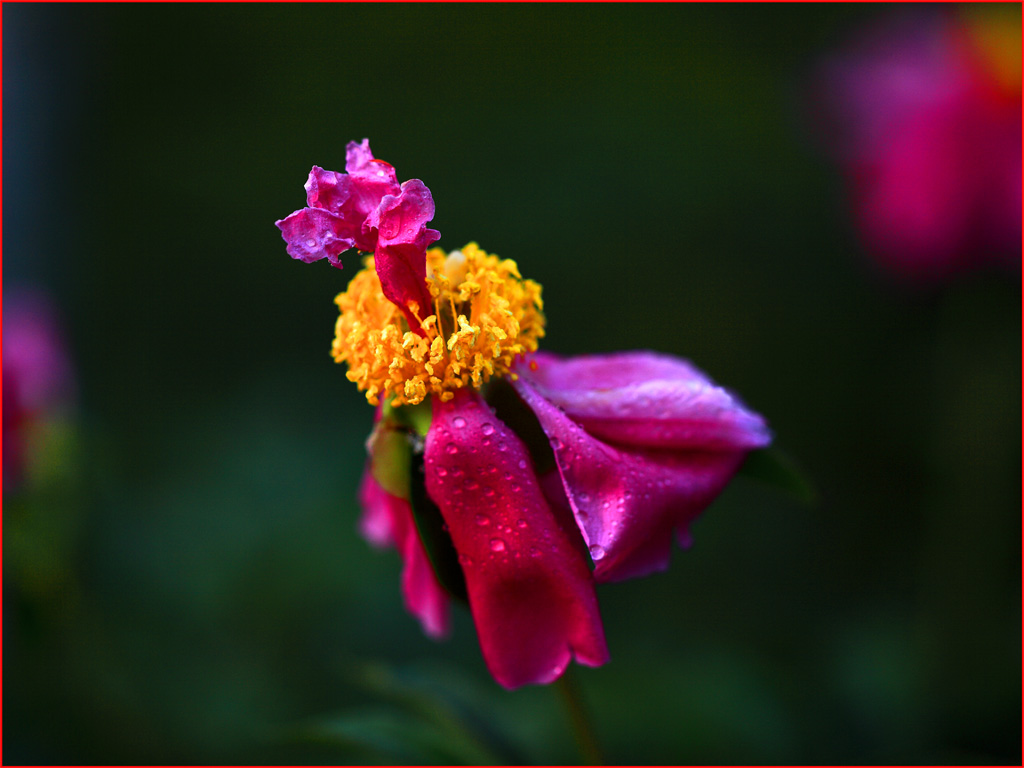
<point>484,316</point>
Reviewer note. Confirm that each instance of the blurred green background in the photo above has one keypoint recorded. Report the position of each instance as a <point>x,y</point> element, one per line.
<point>189,585</point>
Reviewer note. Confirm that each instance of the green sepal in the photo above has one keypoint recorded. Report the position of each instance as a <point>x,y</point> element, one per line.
<point>390,449</point>
<point>414,417</point>
<point>773,467</point>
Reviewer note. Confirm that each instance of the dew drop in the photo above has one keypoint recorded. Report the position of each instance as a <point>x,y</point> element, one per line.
<point>534,552</point>
<point>482,520</point>
<point>441,471</point>
<point>458,422</point>
<point>520,523</point>
<point>522,463</point>
<point>311,243</point>
<point>557,444</point>
<point>465,560</point>
<point>596,551</point>
<point>452,448</point>
<point>497,545</point>
<point>487,428</point>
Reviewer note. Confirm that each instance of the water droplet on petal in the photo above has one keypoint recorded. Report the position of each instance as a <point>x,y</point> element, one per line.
<point>596,551</point>
<point>487,428</point>
<point>441,471</point>
<point>522,463</point>
<point>482,520</point>
<point>452,448</point>
<point>465,560</point>
<point>458,422</point>
<point>311,243</point>
<point>497,545</point>
<point>521,523</point>
<point>534,552</point>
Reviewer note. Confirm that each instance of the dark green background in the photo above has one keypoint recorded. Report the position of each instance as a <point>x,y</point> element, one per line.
<point>652,167</point>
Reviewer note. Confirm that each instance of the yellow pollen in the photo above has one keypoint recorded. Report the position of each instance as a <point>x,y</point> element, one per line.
<point>485,315</point>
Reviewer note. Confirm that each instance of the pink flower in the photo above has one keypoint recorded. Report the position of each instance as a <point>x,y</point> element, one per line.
<point>926,119</point>
<point>366,208</point>
<point>38,379</point>
<point>517,479</point>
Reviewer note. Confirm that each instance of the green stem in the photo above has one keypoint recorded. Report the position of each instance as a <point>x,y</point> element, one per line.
<point>581,725</point>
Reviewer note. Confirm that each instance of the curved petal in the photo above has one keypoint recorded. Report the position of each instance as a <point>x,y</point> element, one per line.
<point>387,519</point>
<point>313,234</point>
<point>369,180</point>
<point>628,502</point>
<point>646,399</point>
<point>326,189</point>
<point>402,241</point>
<point>530,590</point>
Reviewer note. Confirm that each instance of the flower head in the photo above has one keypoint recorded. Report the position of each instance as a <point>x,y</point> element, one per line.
<point>924,113</point>
<point>513,478</point>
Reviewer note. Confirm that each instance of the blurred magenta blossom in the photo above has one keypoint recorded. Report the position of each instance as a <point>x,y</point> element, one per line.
<point>38,378</point>
<point>544,475</point>
<point>924,113</point>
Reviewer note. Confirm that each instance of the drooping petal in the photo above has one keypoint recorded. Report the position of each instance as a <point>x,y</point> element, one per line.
<point>402,242</point>
<point>387,520</point>
<point>530,590</point>
<point>628,502</point>
<point>646,399</point>
<point>313,234</point>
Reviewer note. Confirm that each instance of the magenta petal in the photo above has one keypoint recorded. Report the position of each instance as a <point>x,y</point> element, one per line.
<point>313,234</point>
<point>530,590</point>
<point>647,400</point>
<point>629,503</point>
<point>388,519</point>
<point>326,189</point>
<point>402,242</point>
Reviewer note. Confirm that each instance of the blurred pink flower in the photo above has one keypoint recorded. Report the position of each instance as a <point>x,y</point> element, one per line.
<point>38,379</point>
<point>924,113</point>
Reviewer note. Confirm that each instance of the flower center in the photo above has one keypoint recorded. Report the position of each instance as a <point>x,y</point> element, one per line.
<point>484,316</point>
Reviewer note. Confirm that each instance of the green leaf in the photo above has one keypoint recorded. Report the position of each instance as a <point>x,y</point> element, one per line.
<point>773,467</point>
<point>449,699</point>
<point>387,736</point>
